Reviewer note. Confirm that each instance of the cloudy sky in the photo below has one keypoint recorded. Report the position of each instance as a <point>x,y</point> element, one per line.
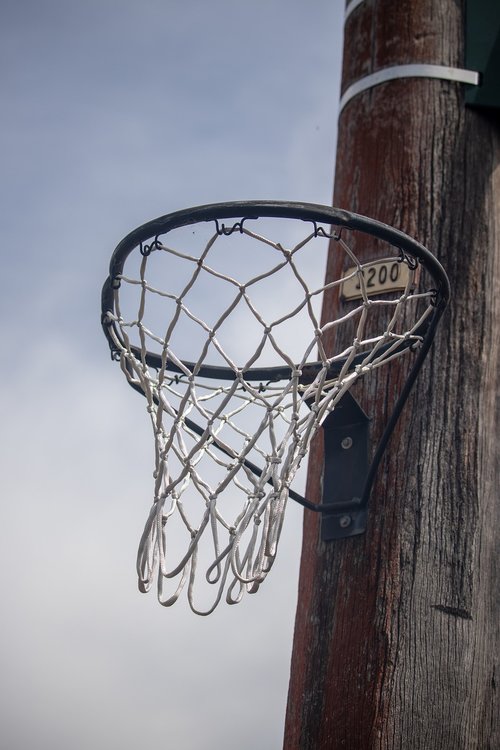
<point>115,112</point>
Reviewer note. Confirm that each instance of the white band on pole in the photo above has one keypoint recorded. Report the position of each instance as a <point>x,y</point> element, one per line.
<point>417,70</point>
<point>350,7</point>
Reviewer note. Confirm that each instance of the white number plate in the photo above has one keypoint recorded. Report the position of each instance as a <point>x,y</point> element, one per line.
<point>381,277</point>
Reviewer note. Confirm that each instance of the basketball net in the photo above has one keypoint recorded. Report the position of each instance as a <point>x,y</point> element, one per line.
<point>227,449</point>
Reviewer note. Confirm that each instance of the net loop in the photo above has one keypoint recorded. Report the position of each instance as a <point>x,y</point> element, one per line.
<point>222,230</point>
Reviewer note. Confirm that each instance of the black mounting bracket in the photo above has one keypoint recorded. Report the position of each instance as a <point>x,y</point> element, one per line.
<point>345,433</point>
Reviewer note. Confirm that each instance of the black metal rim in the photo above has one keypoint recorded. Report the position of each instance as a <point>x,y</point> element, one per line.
<point>246,211</point>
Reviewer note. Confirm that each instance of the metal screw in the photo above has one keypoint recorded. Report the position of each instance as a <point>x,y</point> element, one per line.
<point>344,522</point>
<point>346,443</point>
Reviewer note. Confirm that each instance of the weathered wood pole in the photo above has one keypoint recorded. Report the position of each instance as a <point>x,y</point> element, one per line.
<point>396,637</point>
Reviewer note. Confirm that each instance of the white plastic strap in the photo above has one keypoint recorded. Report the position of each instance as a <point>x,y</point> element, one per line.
<point>418,70</point>
<point>350,7</point>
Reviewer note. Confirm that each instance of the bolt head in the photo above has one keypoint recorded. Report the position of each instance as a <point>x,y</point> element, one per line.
<point>345,521</point>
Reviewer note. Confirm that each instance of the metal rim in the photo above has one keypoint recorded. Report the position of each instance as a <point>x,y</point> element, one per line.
<point>246,211</point>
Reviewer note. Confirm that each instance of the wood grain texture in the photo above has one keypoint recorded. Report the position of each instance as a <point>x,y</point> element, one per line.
<point>396,639</point>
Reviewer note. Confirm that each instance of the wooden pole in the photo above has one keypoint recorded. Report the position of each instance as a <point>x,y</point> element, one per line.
<point>396,634</point>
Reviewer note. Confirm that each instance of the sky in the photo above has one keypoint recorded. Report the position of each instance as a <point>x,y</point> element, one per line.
<point>116,112</point>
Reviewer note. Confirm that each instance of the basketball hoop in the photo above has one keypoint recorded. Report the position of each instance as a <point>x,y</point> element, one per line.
<point>214,316</point>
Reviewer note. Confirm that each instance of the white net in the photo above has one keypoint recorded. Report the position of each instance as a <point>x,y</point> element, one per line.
<point>227,448</point>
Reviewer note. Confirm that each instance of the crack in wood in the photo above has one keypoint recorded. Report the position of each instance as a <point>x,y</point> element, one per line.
<point>453,611</point>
